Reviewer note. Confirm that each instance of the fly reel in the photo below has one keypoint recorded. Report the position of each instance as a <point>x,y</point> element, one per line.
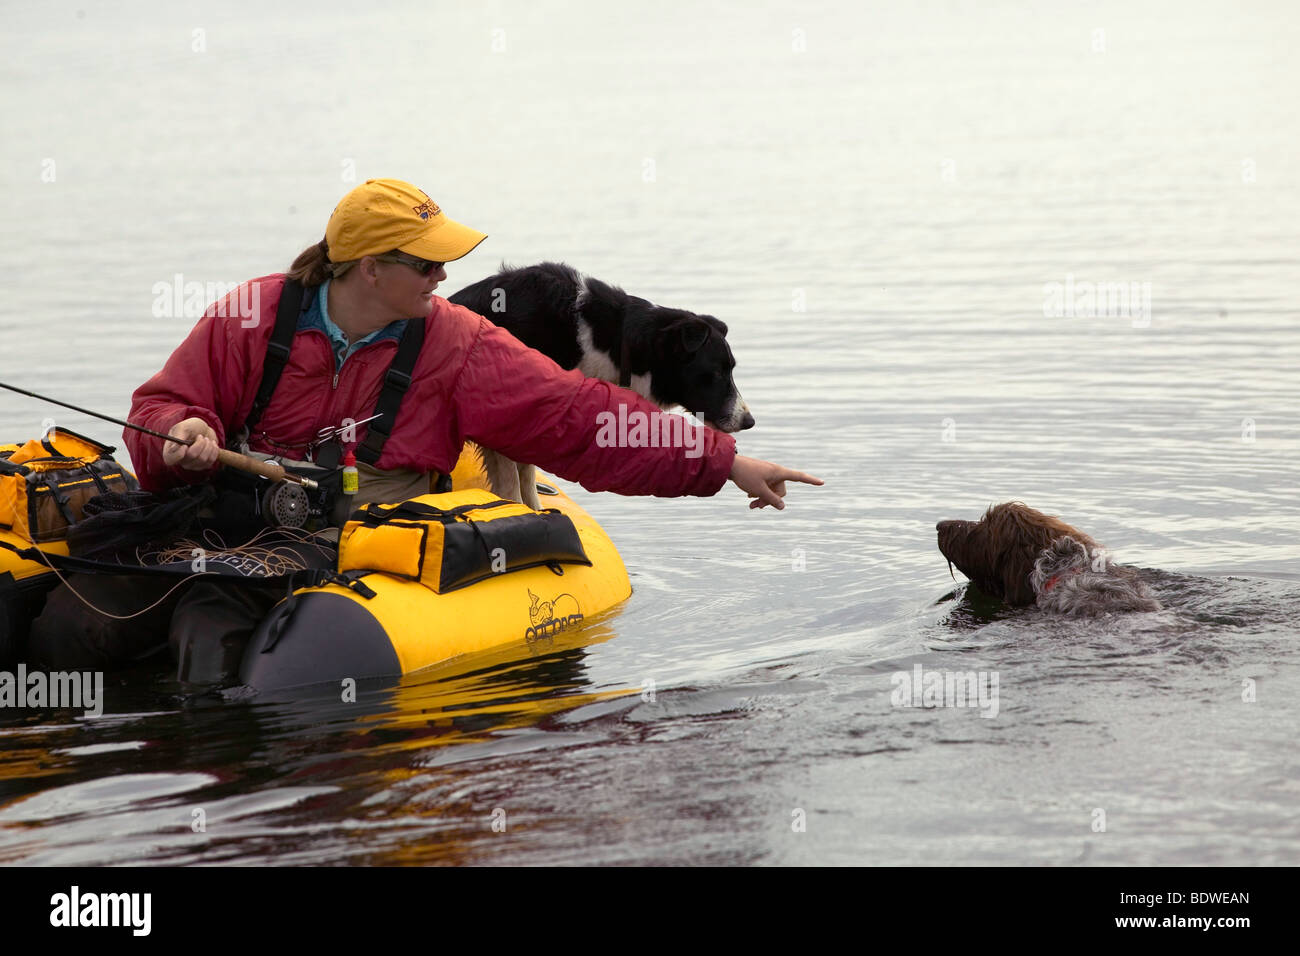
<point>286,505</point>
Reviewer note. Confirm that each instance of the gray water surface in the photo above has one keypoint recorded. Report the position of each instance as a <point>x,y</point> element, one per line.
<point>881,203</point>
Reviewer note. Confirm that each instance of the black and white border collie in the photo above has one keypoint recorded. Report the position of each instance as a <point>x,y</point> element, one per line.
<point>670,356</point>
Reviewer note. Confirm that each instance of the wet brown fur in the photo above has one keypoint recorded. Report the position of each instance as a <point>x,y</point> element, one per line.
<point>998,552</point>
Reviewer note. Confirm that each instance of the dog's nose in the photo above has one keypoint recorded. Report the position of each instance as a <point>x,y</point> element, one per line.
<point>941,525</point>
<point>746,421</point>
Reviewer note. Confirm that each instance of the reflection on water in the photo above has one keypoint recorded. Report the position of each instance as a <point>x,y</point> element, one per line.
<point>231,761</point>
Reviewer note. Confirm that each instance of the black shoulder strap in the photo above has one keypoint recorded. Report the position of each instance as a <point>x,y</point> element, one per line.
<point>277,350</point>
<point>396,381</point>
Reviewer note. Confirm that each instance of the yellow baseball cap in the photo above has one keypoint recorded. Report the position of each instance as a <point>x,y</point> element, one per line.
<point>381,215</point>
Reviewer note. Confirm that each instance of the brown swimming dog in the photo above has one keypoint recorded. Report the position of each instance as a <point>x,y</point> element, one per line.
<point>1023,556</point>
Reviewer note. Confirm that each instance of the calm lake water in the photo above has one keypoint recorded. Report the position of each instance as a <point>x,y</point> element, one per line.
<point>903,214</point>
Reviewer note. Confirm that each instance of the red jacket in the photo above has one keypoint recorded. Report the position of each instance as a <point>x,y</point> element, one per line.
<point>472,381</point>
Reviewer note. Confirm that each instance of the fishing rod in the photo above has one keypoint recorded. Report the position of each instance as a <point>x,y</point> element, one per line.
<point>232,459</point>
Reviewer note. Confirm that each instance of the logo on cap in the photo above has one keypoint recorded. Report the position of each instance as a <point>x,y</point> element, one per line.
<point>426,209</point>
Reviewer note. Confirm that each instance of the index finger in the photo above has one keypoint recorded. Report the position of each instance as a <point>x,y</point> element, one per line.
<point>788,474</point>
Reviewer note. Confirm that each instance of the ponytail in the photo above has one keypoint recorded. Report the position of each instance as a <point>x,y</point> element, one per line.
<point>313,266</point>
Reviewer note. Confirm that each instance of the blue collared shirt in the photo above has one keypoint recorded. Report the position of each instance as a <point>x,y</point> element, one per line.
<point>317,316</point>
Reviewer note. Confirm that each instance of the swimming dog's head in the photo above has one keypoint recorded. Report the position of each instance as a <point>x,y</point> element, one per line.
<point>692,366</point>
<point>998,552</point>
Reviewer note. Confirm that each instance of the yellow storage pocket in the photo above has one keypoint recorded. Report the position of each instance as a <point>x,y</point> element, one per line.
<point>452,540</point>
<point>45,483</point>
<point>394,548</point>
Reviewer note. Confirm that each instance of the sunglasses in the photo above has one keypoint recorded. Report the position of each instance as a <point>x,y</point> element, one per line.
<point>422,266</point>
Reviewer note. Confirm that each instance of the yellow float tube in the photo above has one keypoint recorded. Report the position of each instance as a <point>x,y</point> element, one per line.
<point>332,633</point>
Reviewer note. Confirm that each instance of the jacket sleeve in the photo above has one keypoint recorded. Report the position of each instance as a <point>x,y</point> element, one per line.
<point>204,378</point>
<point>519,402</point>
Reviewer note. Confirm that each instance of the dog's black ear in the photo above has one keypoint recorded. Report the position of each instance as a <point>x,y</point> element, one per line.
<point>685,335</point>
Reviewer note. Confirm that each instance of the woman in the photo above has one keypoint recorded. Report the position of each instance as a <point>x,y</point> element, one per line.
<point>371,278</point>
<point>387,243</point>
